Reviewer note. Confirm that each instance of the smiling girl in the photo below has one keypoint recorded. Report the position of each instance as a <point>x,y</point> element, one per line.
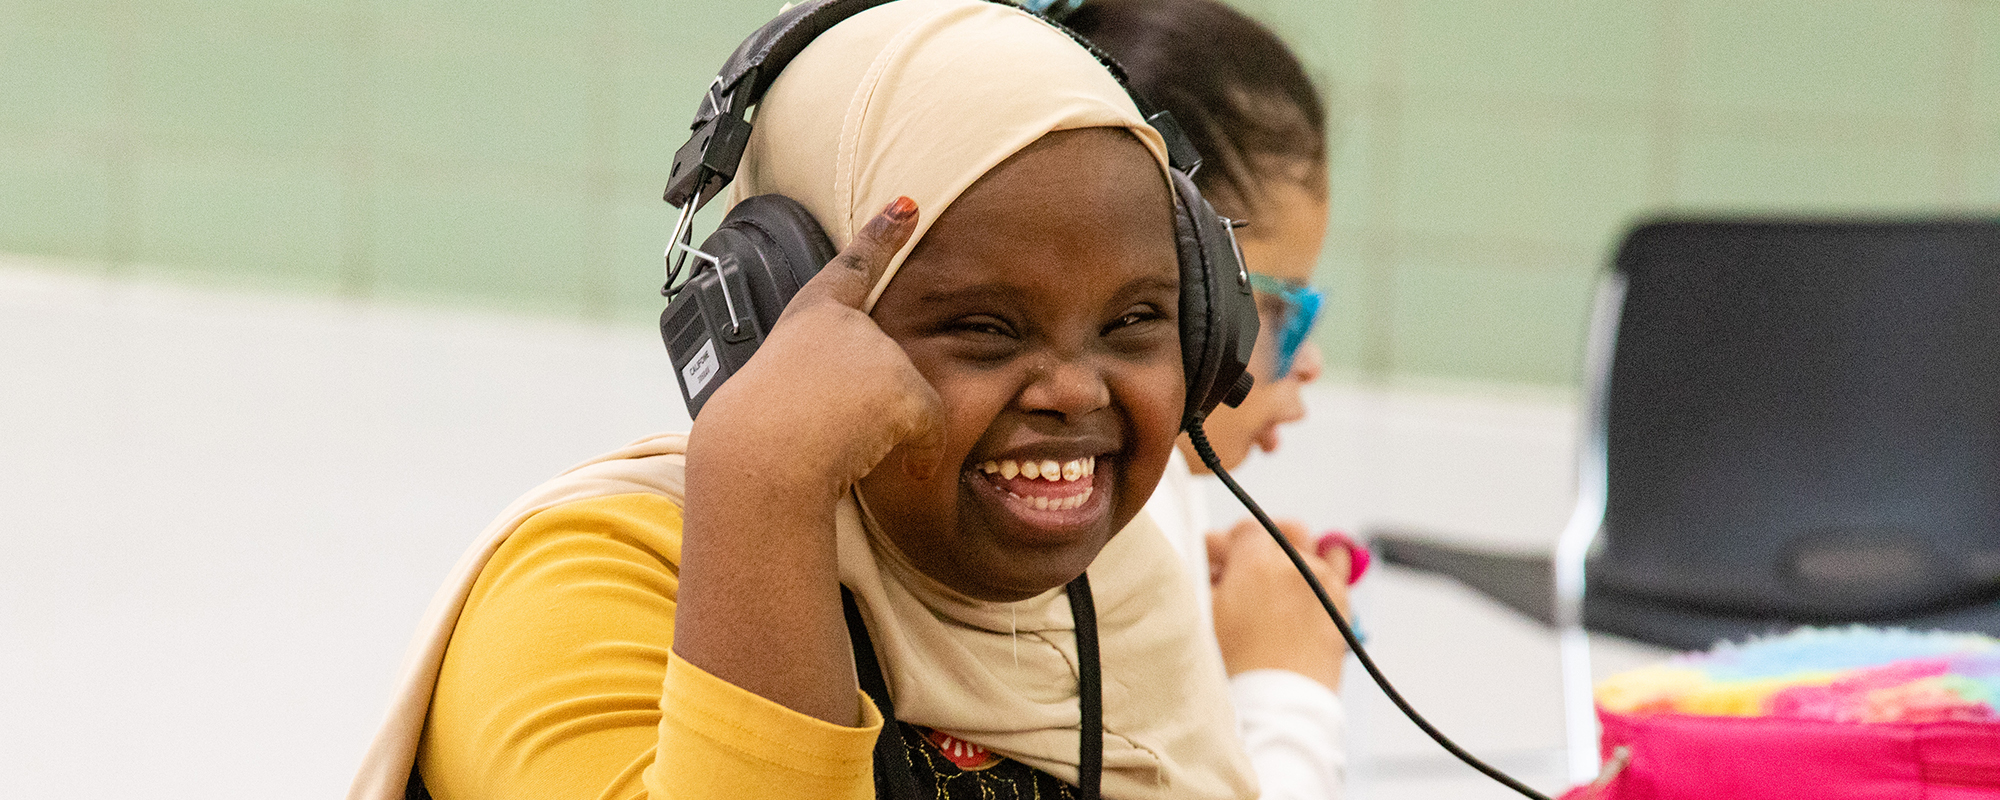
<point>958,417</point>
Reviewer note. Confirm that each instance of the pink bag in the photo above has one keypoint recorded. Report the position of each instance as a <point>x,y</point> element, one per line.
<point>1687,757</point>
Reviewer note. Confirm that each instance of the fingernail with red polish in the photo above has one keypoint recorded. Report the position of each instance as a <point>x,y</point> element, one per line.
<point>903,208</point>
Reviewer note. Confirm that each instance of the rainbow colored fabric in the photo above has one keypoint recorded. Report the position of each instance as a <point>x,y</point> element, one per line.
<point>1854,674</point>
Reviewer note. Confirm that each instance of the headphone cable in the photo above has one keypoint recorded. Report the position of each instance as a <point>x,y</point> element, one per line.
<point>1214,464</point>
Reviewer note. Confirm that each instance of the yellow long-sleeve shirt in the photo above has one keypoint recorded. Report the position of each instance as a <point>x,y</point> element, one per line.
<point>561,682</point>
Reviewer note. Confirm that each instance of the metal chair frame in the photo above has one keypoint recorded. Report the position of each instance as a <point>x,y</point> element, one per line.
<point>1586,522</point>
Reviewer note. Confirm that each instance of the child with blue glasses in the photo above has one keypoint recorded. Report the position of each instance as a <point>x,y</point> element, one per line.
<point>1249,108</point>
<point>1299,304</point>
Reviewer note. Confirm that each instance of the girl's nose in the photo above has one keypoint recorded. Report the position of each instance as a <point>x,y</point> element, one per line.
<point>1071,388</point>
<point>1306,364</point>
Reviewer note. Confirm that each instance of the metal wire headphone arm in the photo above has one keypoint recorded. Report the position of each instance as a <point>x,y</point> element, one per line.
<point>683,231</point>
<point>706,163</point>
<point>721,280</point>
<point>712,100</point>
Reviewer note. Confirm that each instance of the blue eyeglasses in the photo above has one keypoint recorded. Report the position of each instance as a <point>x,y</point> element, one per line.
<point>1301,311</point>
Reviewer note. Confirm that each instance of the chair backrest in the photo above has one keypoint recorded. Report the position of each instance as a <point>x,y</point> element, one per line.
<point>1802,418</point>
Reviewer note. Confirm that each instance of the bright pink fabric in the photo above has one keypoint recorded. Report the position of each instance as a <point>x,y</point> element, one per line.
<point>1684,757</point>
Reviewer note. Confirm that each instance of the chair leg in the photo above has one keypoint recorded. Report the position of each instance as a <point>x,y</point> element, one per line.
<point>1579,710</point>
<point>1585,523</point>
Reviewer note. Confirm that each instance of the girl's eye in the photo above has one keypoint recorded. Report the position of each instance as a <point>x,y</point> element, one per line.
<point>982,338</point>
<point>982,326</point>
<point>1138,316</point>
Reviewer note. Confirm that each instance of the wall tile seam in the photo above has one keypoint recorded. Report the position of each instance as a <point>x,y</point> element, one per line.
<point>1385,26</point>
<point>1355,377</point>
<point>120,222</point>
<point>1833,124</point>
<point>600,185</point>
<point>360,84</point>
<point>1422,246</point>
<point>1666,129</point>
<point>147,148</point>
<point>1594,112</point>
<point>580,184</point>
<point>601,269</point>
<point>1522,105</point>
<point>444,35</point>
<point>296,23</point>
<point>1955,136</point>
<point>60,143</point>
<point>460,166</point>
<point>152,137</point>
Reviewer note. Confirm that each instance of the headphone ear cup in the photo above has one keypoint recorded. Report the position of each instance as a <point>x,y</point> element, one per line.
<point>1218,312</point>
<point>776,244</point>
<point>766,248</point>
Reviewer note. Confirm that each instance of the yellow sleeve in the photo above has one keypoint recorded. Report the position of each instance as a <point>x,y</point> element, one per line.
<point>560,681</point>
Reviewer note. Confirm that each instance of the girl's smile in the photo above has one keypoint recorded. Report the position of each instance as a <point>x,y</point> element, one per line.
<point>1054,494</point>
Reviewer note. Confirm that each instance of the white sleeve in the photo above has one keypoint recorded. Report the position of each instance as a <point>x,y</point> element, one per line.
<point>1291,725</point>
<point>1180,508</point>
<point>1292,728</point>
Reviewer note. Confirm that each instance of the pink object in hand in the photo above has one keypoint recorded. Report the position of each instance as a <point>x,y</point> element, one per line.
<point>1357,555</point>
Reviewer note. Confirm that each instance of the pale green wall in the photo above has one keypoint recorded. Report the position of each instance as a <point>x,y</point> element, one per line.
<point>1496,151</point>
<point>510,153</point>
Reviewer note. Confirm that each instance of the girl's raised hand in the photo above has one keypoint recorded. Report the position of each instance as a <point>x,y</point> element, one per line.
<point>821,403</point>
<point>828,395</point>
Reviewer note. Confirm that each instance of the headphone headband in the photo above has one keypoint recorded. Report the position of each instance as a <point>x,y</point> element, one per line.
<point>707,162</point>
<point>776,44</point>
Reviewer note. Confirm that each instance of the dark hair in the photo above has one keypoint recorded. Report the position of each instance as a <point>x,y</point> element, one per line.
<point>1240,94</point>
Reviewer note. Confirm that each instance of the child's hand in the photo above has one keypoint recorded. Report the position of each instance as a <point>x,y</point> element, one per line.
<point>828,394</point>
<point>1266,617</point>
<point>824,399</point>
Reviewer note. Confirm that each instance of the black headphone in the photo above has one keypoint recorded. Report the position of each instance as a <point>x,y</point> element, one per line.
<point>769,245</point>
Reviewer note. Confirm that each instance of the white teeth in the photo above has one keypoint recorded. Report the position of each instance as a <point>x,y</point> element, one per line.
<point>1060,503</point>
<point>1044,469</point>
<point>1077,500</point>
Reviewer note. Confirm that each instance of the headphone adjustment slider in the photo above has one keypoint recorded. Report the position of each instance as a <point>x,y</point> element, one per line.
<point>1181,154</point>
<point>708,161</point>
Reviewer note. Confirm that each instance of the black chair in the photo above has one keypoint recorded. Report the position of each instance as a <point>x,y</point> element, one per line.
<point>1790,422</point>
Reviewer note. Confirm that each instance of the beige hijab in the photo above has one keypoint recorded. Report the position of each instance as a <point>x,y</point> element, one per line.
<point>927,95</point>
